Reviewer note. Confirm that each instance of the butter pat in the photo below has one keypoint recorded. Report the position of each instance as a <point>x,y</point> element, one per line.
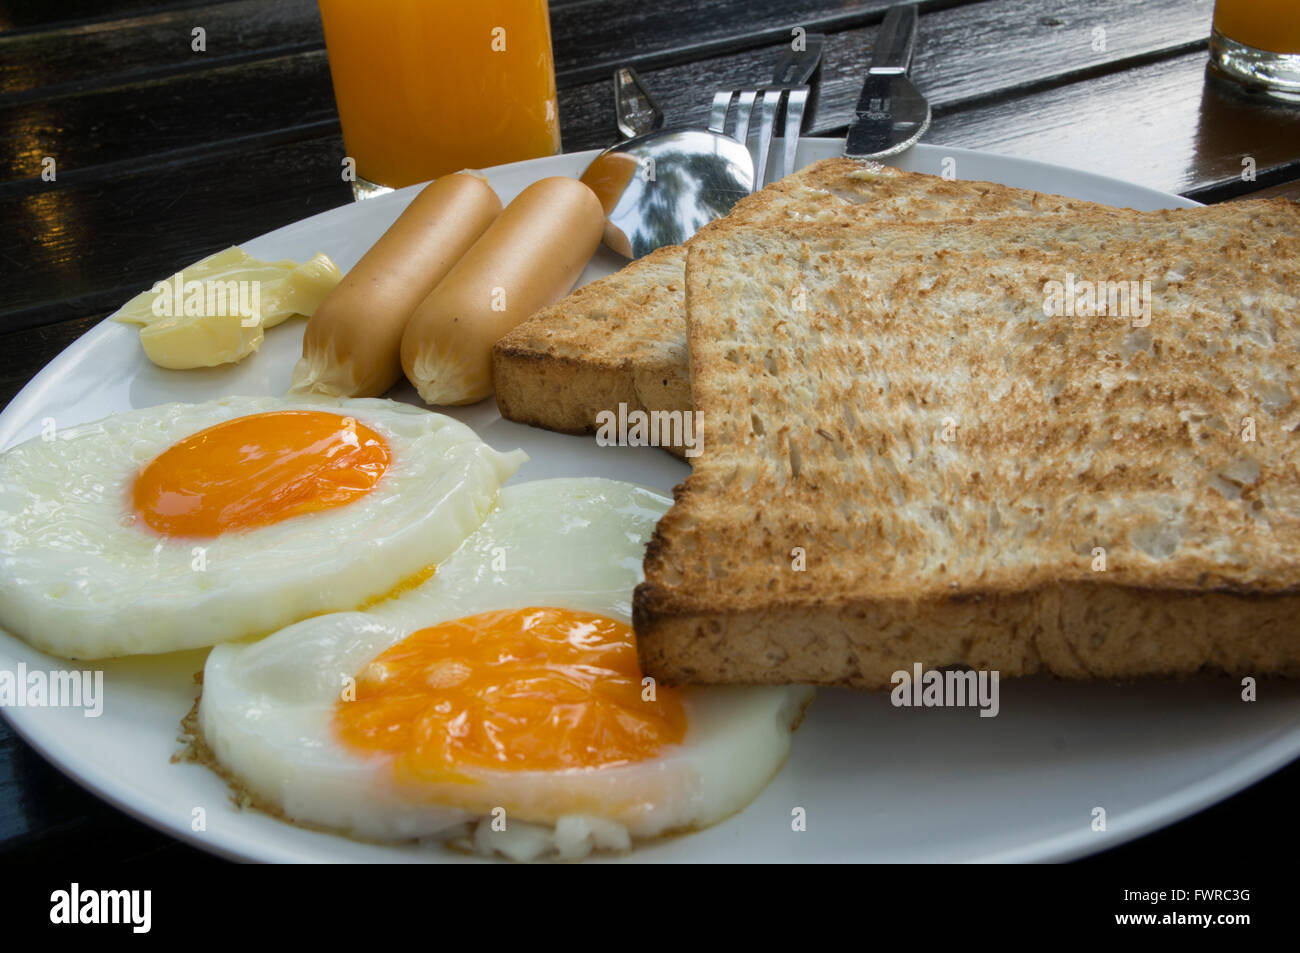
<point>216,310</point>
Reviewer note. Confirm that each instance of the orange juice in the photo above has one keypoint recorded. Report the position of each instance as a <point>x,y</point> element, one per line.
<point>1272,25</point>
<point>427,87</point>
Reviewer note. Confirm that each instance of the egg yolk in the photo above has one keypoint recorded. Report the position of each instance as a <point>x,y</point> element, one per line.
<point>537,689</point>
<point>258,470</point>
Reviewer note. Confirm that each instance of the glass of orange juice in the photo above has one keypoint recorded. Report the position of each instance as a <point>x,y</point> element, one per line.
<point>428,87</point>
<point>1257,43</point>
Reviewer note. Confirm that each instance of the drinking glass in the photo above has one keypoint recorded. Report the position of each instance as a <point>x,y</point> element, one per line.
<point>428,87</point>
<point>1257,44</point>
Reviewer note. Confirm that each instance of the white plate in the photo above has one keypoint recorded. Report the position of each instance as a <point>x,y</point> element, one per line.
<point>877,783</point>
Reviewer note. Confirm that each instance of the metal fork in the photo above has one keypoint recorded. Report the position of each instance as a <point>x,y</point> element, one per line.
<point>789,89</point>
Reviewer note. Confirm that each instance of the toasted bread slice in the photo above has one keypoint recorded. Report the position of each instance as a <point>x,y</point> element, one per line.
<point>919,465</point>
<point>622,339</point>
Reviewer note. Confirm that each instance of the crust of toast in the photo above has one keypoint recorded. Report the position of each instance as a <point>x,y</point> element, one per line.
<point>1078,631</point>
<point>950,461</point>
<point>601,346</point>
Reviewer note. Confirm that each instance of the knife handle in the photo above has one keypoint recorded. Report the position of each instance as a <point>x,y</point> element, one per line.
<point>894,42</point>
<point>635,110</point>
<point>796,68</point>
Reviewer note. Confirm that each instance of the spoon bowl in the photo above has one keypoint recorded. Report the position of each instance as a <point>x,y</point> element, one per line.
<point>661,188</point>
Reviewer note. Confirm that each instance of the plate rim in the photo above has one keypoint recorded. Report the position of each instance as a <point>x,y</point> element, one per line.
<point>142,805</point>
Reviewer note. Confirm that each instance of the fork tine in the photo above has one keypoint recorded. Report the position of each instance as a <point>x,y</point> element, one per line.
<point>718,115</point>
<point>794,107</point>
<point>767,120</point>
<point>744,106</point>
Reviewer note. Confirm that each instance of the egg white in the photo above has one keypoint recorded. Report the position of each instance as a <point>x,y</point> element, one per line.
<point>266,710</point>
<point>79,578</point>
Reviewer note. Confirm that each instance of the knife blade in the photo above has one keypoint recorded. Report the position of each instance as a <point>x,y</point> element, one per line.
<point>891,113</point>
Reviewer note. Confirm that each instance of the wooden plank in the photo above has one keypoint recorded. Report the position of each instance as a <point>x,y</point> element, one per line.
<point>44,814</point>
<point>39,16</point>
<point>1160,125</point>
<point>589,38</point>
<point>964,55</point>
<point>593,37</point>
<point>153,116</point>
<point>954,54</point>
<point>87,247</point>
<point>1287,190</point>
<point>104,55</point>
<point>23,353</point>
<point>1138,109</point>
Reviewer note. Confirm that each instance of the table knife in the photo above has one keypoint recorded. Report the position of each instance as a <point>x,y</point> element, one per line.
<point>891,113</point>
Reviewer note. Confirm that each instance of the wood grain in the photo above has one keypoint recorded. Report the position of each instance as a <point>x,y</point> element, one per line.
<point>168,114</point>
<point>29,16</point>
<point>955,51</point>
<point>107,54</point>
<point>601,34</point>
<point>44,816</point>
<point>1286,190</point>
<point>23,353</point>
<point>965,55</point>
<point>93,242</point>
<point>1160,125</point>
<point>597,35</point>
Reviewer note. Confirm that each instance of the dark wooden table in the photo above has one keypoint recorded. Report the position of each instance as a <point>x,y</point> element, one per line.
<point>165,155</point>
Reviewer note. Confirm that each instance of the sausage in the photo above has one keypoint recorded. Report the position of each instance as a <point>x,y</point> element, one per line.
<point>352,344</point>
<point>528,258</point>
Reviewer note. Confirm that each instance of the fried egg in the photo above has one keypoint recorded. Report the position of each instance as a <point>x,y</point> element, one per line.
<point>499,705</point>
<point>185,525</point>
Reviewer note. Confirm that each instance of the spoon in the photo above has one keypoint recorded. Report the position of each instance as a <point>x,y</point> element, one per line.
<point>660,187</point>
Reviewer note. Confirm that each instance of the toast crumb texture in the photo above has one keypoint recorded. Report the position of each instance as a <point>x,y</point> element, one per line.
<point>952,462</point>
<point>622,339</point>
